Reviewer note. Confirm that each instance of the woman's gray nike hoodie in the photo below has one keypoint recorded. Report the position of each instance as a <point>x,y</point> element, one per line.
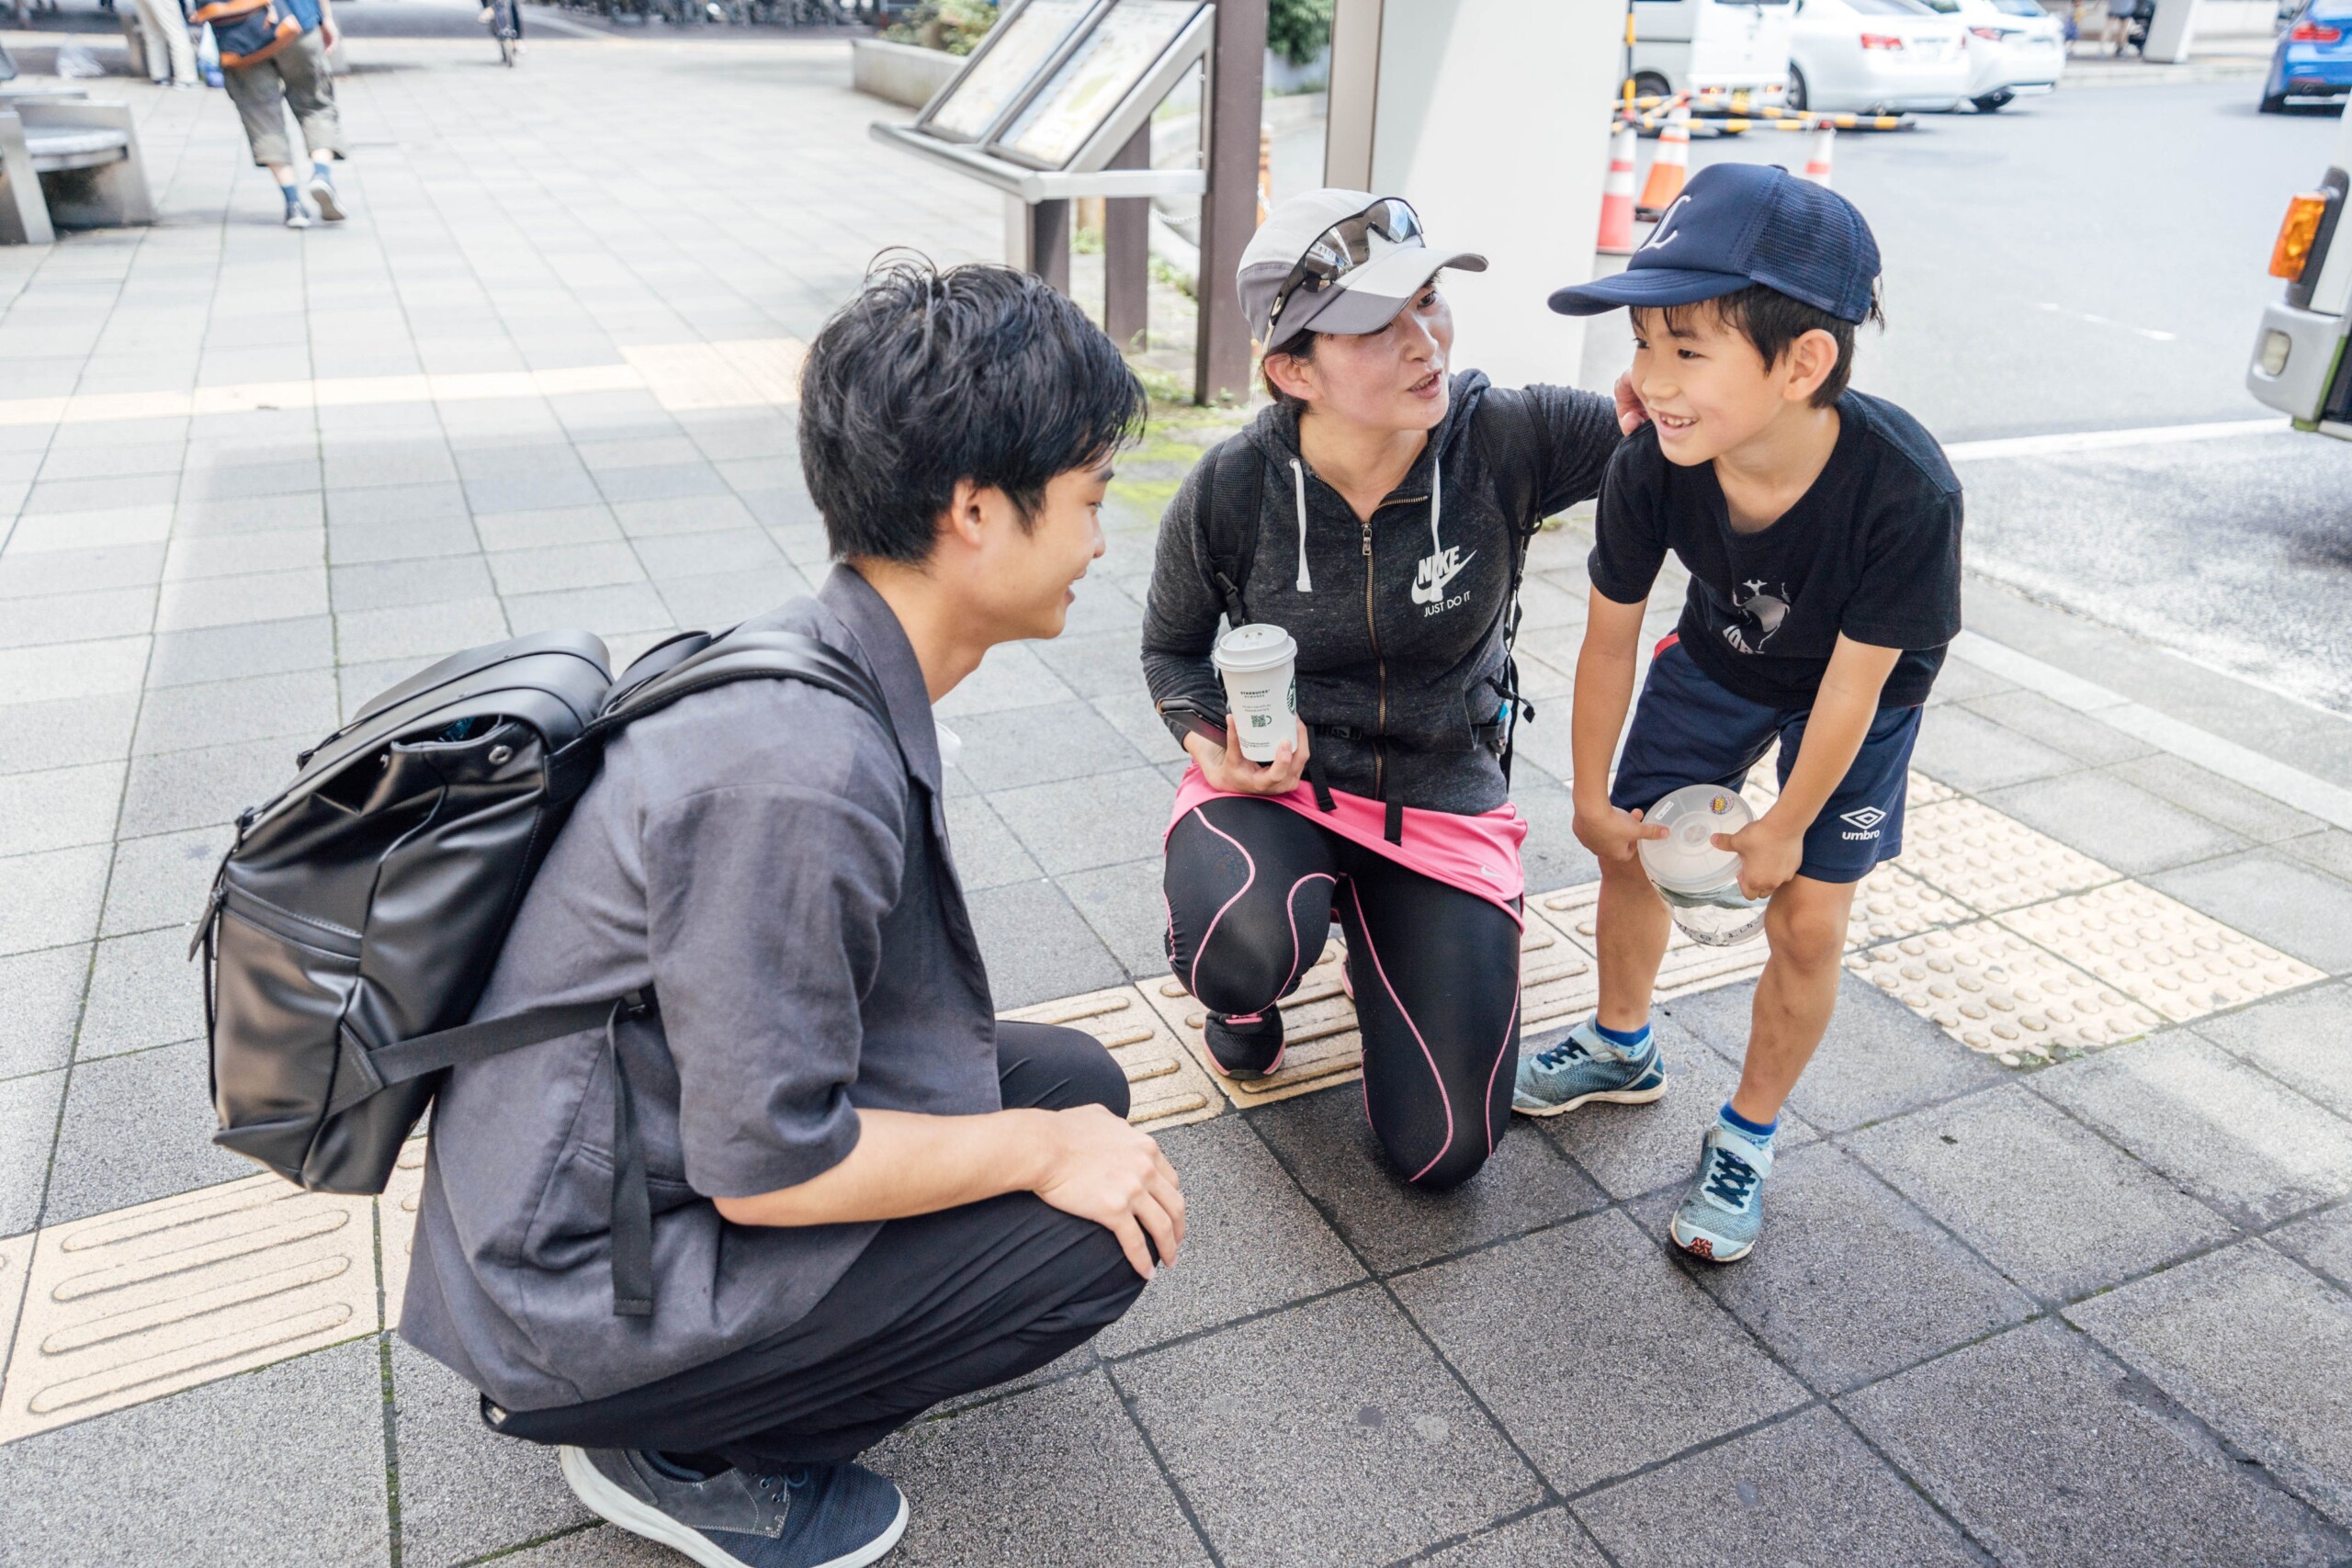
<point>1399,620</point>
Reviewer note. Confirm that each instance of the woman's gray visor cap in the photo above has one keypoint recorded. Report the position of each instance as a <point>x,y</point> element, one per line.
<point>1365,300</point>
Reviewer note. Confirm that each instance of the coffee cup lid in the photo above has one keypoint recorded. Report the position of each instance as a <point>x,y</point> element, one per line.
<point>1687,861</point>
<point>1257,645</point>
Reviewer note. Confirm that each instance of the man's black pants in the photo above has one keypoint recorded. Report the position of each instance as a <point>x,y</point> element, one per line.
<point>937,1306</point>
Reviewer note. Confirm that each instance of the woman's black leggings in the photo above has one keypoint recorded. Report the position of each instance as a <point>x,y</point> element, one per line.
<point>1251,889</point>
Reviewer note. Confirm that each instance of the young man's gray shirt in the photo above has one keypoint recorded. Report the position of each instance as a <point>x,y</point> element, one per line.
<point>758,854</point>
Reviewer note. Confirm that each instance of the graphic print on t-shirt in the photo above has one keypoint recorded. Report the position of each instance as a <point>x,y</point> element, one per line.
<point>1762,607</point>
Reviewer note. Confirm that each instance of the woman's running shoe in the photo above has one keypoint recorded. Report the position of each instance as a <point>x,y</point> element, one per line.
<point>812,1516</point>
<point>1585,1066</point>
<point>1245,1047</point>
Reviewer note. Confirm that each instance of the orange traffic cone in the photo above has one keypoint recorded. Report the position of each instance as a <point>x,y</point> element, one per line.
<point>1617,196</point>
<point>1816,163</point>
<point>1670,167</point>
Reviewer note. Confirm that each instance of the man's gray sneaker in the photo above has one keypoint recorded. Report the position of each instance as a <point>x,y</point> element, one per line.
<point>1585,1066</point>
<point>1723,1211</point>
<point>322,191</point>
<point>814,1515</point>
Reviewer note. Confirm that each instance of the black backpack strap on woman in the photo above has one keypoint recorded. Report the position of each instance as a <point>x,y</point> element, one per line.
<point>1523,506</point>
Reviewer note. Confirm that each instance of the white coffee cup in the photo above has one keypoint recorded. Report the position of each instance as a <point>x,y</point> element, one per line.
<point>1259,666</point>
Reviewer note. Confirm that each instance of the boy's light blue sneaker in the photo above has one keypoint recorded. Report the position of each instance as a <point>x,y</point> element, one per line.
<point>1585,1066</point>
<point>1723,1211</point>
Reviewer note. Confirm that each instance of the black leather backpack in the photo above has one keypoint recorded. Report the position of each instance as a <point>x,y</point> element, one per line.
<point>355,920</point>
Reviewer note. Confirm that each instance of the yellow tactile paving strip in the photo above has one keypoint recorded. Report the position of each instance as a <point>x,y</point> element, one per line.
<point>2017,946</point>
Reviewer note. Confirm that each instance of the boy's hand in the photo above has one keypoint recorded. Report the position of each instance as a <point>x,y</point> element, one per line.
<point>1768,856</point>
<point>1100,1169</point>
<point>1228,770</point>
<point>1612,834</point>
<point>1630,412</point>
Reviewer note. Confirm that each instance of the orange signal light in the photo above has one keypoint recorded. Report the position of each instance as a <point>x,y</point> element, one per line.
<point>2296,233</point>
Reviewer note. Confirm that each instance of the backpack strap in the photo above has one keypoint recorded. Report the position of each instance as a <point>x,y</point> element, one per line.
<point>1521,501</point>
<point>1229,532</point>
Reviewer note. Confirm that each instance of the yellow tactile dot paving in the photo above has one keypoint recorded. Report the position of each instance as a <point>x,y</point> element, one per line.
<point>1996,993</point>
<point>1891,903</point>
<point>1990,861</point>
<point>1321,1047</point>
<point>1558,981</point>
<point>1925,791</point>
<point>1689,966</point>
<point>2158,951</point>
<point>128,1306</point>
<point>1166,1087</point>
<point>396,1225</point>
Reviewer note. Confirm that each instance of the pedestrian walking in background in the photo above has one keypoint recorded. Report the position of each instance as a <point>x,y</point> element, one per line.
<point>171,56</point>
<point>274,52</point>
<point>2118,24</point>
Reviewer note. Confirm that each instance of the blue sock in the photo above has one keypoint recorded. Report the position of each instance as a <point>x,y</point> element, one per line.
<point>293,195</point>
<point>1754,1132</point>
<point>1622,1039</point>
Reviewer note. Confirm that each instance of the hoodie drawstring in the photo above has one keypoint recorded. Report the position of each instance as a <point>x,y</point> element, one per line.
<point>1298,484</point>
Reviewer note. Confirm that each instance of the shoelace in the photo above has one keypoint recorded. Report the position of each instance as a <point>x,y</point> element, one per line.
<point>1560,1055</point>
<point>793,1479</point>
<point>1731,1179</point>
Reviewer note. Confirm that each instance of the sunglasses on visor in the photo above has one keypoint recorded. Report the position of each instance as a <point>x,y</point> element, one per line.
<point>1340,248</point>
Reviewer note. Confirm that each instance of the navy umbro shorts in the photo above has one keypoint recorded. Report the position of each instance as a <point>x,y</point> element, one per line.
<point>1686,729</point>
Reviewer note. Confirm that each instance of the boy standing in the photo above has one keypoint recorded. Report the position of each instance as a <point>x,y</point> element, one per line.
<point>1821,529</point>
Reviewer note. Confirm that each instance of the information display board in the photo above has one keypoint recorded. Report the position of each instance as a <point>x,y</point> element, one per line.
<point>1106,65</point>
<point>1015,49</point>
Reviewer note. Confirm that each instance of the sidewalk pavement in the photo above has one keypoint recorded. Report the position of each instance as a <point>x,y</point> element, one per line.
<point>2059,1250</point>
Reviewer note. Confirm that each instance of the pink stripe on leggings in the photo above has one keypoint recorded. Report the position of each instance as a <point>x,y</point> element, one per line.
<point>1500,1052</point>
<point>1247,882</point>
<point>1444,1099</point>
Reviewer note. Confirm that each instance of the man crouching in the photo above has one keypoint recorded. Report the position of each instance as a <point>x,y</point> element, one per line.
<point>868,1195</point>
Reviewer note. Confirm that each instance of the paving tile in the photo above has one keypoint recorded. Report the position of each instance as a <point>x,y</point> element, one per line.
<point>2158,951</point>
<point>1632,1149</point>
<point>722,599</point>
<point>1584,1419</point>
<point>59,809</point>
<point>547,528</point>
<point>985,851</point>
<point>49,901</point>
<point>431,579</point>
<point>1320,1044</point>
<point>2304,1040</point>
<point>1990,861</point>
<point>44,992</point>
<point>27,1134</point>
<point>1124,905</point>
<point>2245,812</point>
<point>57,671</point>
<point>1804,1489</point>
<point>1850,1282</point>
<point>2115,821</point>
<point>352,542</point>
<point>1001,750</point>
<point>1326,1144</point>
<point>548,566</point>
<point>2238,1338</point>
<point>2243,1142</point>
<point>35,736</point>
<point>2321,1243</point>
<point>1131,714</point>
<point>179,718</point>
<point>1551,857</point>
<point>2330,851</point>
<point>419,631</point>
<point>1891,903</point>
<point>1099,820</point>
<point>205,1477</point>
<point>1551,1539</point>
<point>1035,945</point>
<point>622,607</point>
<point>2050,1204</point>
<point>144,992</point>
<point>78,618</point>
<point>1094,666</point>
<point>105,493</point>
<point>240,480</point>
<point>2273,898</point>
<point>2079,735</point>
<point>2046,1452</point>
<point>1013,675</point>
<point>350,465</point>
<point>137,1128</point>
<point>1878,1059</point>
<point>229,653</point>
<point>600,1546</point>
<point>1559,982</point>
<point>1047,1477</point>
<point>1166,1086</point>
<point>1971,753</point>
<point>2000,995</point>
<point>1272,1428</point>
<point>466,1491</point>
<point>175,790</point>
<point>238,555</point>
<point>679,514</point>
<point>163,880</point>
<point>1252,1241</point>
<point>200,518</point>
<point>1689,965</point>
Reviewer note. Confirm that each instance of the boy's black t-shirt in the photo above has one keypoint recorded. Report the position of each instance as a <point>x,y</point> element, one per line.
<point>1872,550</point>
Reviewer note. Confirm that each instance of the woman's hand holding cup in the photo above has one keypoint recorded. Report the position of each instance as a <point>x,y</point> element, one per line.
<point>1228,769</point>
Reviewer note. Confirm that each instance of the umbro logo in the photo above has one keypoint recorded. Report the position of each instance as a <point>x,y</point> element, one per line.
<point>1865,822</point>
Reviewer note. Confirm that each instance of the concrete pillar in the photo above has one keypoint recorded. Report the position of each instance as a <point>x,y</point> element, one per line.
<point>1229,213</point>
<point>1491,118</point>
<point>2171,31</point>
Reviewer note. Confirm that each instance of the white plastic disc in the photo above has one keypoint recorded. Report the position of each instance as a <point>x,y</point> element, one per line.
<point>1686,860</point>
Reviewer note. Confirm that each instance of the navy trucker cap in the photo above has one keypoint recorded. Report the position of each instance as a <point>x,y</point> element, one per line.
<point>1740,223</point>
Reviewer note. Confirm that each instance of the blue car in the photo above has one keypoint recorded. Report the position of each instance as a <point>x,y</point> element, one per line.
<point>2314,56</point>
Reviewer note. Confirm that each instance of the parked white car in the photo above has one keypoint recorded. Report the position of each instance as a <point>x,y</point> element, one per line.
<point>1682,45</point>
<point>1875,57</point>
<point>2014,47</point>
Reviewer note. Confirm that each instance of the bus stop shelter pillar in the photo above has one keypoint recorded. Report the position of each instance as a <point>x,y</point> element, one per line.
<point>1127,254</point>
<point>1229,211</point>
<point>1491,117</point>
<point>2171,31</point>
